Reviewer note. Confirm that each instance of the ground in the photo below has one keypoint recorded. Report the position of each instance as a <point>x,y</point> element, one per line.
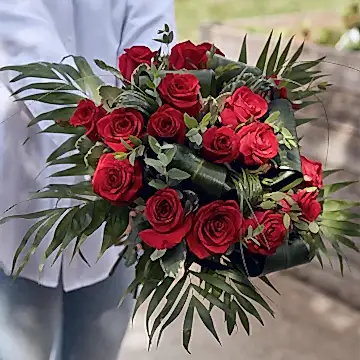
<point>308,326</point>
<point>190,13</point>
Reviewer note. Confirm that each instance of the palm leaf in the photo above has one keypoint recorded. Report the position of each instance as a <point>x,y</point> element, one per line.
<point>263,56</point>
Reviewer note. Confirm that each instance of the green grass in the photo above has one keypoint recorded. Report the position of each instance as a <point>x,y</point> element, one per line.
<point>190,13</point>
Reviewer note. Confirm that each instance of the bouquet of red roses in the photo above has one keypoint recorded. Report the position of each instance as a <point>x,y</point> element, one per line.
<point>201,155</point>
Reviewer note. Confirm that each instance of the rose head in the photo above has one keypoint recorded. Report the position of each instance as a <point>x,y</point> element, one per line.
<point>165,214</point>
<point>186,55</point>
<point>216,226</point>
<point>310,207</point>
<point>220,145</point>
<point>87,115</point>
<point>243,105</point>
<point>117,181</point>
<point>181,91</point>
<point>312,171</point>
<point>258,144</point>
<point>167,124</point>
<point>132,58</point>
<point>273,235</point>
<point>120,124</point>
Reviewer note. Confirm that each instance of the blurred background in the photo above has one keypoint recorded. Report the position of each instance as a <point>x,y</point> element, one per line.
<point>318,313</point>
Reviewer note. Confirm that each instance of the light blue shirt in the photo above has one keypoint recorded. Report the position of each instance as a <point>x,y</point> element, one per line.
<point>48,30</point>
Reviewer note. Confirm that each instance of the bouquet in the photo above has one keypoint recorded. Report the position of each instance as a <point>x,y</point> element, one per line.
<point>193,165</point>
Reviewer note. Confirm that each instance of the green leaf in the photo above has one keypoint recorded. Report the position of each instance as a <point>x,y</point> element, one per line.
<point>136,141</point>
<point>109,68</point>
<point>303,121</point>
<point>84,144</point>
<point>327,173</point>
<point>154,145</point>
<point>30,216</point>
<point>63,113</point>
<point>120,156</point>
<point>36,70</point>
<point>81,220</point>
<point>188,324</point>
<point>347,242</point>
<point>157,254</point>
<point>77,170</point>
<point>338,205</point>
<point>262,59</point>
<point>91,81</point>
<point>334,227</point>
<point>132,158</point>
<point>331,188</point>
<point>314,227</point>
<point>270,69</point>
<point>339,215</point>
<point>170,301</point>
<point>296,56</point>
<point>287,221</point>
<point>54,98</point>
<point>93,155</point>
<point>174,259</point>
<point>178,174</point>
<point>147,289</point>
<point>158,296</point>
<point>268,283</point>
<point>242,315</point>
<point>51,86</point>
<point>190,122</point>
<point>175,313</point>
<point>283,56</point>
<point>206,318</point>
<point>67,129</point>
<point>243,52</point>
<point>157,184</point>
<point>65,147</point>
<point>109,94</point>
<point>116,225</point>
<point>45,227</point>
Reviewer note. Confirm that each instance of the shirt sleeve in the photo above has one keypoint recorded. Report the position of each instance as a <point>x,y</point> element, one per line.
<point>143,19</point>
<point>28,34</point>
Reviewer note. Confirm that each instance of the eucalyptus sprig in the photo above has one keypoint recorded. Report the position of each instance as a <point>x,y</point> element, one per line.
<point>133,152</point>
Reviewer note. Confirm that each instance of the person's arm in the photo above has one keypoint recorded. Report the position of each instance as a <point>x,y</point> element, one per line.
<point>27,34</point>
<point>143,19</point>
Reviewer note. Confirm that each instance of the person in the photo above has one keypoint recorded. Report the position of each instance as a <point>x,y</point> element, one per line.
<point>70,312</point>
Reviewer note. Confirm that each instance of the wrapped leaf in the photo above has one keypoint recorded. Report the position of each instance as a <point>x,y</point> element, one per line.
<point>290,173</point>
<point>138,101</point>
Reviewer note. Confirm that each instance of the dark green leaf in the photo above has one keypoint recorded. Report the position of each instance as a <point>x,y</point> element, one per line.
<point>327,173</point>
<point>109,68</point>
<point>115,226</point>
<point>65,147</point>
<point>268,283</point>
<point>296,55</point>
<point>109,94</point>
<point>243,52</point>
<point>30,216</point>
<point>338,205</point>
<point>304,121</point>
<point>175,313</point>
<point>205,318</point>
<point>57,129</point>
<point>41,233</point>
<point>339,215</point>
<point>93,155</point>
<point>242,315</point>
<point>157,184</point>
<point>347,242</point>
<point>159,294</point>
<point>57,114</point>
<point>170,301</point>
<point>51,86</point>
<point>283,56</point>
<point>55,98</point>
<point>188,324</point>
<point>35,70</point>
<point>76,159</point>
<point>334,227</point>
<point>77,170</point>
<point>84,144</point>
<point>270,69</point>
<point>262,59</point>
<point>146,290</point>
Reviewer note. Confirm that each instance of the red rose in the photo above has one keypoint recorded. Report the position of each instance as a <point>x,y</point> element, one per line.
<point>216,226</point>
<point>117,181</point>
<point>312,171</point>
<point>282,90</point>
<point>310,207</point>
<point>243,105</point>
<point>87,115</point>
<point>134,57</point>
<point>186,55</point>
<point>273,235</point>
<point>168,124</point>
<point>182,92</point>
<point>165,214</point>
<point>220,145</point>
<point>120,124</point>
<point>258,143</point>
